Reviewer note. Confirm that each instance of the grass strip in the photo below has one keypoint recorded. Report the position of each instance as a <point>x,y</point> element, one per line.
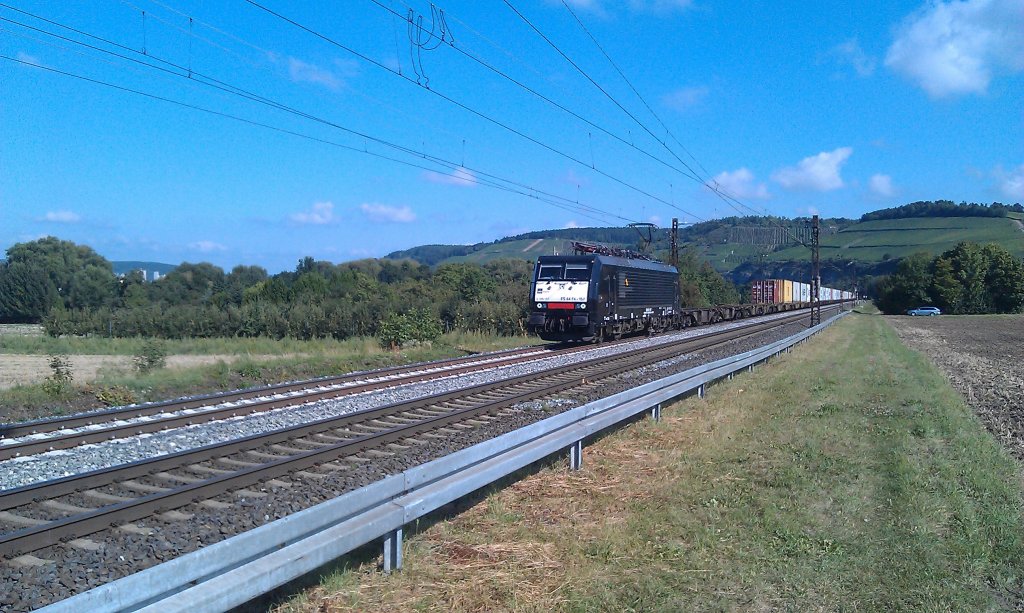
<point>845,476</point>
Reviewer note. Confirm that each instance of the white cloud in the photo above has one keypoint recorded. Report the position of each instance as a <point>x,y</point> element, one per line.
<point>881,185</point>
<point>571,224</point>
<point>1011,184</point>
<point>459,176</point>
<point>740,183</point>
<point>31,59</point>
<point>816,173</point>
<point>321,213</point>
<point>654,219</point>
<point>955,47</point>
<point>61,217</point>
<point>685,98</point>
<point>206,246</point>
<point>303,72</point>
<point>850,53</point>
<point>385,213</point>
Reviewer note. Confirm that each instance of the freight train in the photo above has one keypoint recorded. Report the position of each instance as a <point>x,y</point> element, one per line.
<point>603,293</point>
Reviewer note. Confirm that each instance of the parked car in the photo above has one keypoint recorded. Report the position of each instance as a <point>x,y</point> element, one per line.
<point>924,311</point>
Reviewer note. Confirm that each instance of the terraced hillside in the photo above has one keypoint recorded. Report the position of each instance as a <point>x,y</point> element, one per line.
<point>867,243</point>
<point>876,241</point>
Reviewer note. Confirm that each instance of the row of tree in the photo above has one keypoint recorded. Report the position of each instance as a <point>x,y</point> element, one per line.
<point>73,291</point>
<point>944,208</point>
<point>969,278</point>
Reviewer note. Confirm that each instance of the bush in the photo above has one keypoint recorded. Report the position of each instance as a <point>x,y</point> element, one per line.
<point>114,396</point>
<point>416,325</point>
<point>59,381</point>
<point>152,356</point>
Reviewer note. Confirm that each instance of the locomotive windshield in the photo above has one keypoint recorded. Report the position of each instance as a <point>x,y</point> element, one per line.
<point>563,272</point>
<point>550,273</point>
<point>577,272</point>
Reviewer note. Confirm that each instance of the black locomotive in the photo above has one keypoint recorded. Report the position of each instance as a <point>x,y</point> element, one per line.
<point>600,293</point>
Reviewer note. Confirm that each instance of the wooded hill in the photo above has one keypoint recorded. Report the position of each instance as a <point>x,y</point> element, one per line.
<point>743,248</point>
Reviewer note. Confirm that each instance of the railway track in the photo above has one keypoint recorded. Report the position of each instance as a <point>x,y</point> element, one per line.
<point>67,432</point>
<point>51,512</point>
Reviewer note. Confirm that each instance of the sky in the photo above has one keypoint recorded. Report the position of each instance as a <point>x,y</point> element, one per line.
<point>260,132</point>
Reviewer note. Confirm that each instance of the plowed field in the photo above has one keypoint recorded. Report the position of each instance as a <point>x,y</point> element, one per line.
<point>983,357</point>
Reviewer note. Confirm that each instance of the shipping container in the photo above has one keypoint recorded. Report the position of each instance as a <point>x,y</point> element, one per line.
<point>766,291</point>
<point>804,293</point>
<point>787,291</point>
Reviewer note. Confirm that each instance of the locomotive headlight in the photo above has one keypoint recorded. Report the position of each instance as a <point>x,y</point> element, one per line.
<point>581,305</point>
<point>540,305</point>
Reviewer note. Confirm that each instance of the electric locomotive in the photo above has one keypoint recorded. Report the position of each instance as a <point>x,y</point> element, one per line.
<point>600,293</point>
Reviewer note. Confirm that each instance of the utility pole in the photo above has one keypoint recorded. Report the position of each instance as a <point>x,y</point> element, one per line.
<point>675,242</point>
<point>815,274</point>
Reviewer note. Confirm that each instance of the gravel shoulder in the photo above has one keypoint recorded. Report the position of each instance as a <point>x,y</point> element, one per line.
<point>983,357</point>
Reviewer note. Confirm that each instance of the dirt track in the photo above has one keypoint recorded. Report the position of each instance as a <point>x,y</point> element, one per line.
<point>983,356</point>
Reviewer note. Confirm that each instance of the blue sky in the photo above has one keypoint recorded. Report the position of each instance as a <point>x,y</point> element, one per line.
<point>398,136</point>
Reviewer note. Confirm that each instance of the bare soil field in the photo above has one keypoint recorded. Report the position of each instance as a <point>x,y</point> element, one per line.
<point>18,369</point>
<point>983,357</point>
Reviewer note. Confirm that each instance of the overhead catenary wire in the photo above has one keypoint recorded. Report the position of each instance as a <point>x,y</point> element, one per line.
<point>461,105</point>
<point>199,78</point>
<point>716,189</point>
<point>556,104</point>
<point>561,202</point>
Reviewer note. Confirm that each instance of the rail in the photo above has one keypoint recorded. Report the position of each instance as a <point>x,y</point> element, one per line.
<point>234,571</point>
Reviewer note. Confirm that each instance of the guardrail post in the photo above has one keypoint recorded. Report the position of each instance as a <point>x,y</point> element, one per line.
<point>729,376</point>
<point>701,392</point>
<point>576,455</point>
<point>393,551</point>
<point>656,412</point>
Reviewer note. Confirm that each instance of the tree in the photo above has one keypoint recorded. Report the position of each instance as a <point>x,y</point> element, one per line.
<point>77,274</point>
<point>26,293</point>
<point>907,287</point>
<point>1004,280</point>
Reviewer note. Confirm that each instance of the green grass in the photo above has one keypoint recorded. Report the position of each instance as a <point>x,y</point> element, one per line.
<point>846,476</point>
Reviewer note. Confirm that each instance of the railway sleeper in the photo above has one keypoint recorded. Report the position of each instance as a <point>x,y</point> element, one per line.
<point>210,503</point>
<point>209,470</point>
<point>177,478</point>
<point>329,438</point>
<point>85,544</point>
<point>307,443</point>
<point>142,487</point>
<point>238,463</point>
<point>264,455</point>
<point>20,520</point>
<point>105,497</point>
<point>309,475</point>
<point>66,508</point>
<point>287,450</point>
<point>246,493</point>
<point>136,529</point>
<point>377,453</point>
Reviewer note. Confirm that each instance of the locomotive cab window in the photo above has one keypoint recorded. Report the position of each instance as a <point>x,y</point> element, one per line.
<point>577,272</point>
<point>550,273</point>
